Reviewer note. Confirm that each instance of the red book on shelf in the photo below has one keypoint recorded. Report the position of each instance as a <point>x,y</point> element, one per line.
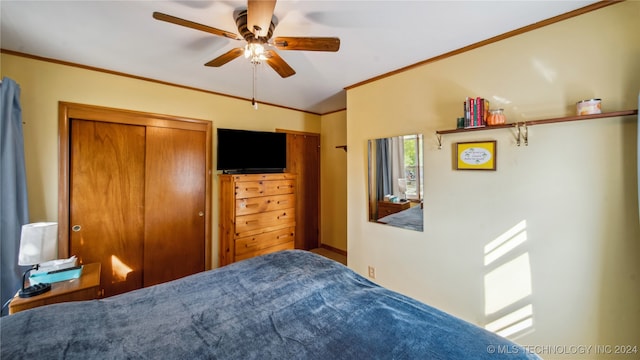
<point>478,111</point>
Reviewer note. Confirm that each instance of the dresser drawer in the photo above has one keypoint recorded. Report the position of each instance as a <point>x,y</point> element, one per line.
<point>247,189</point>
<point>248,246</point>
<point>285,246</point>
<point>264,203</point>
<point>262,222</point>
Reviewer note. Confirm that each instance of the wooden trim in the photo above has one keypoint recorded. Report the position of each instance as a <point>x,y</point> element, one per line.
<point>335,250</point>
<point>64,157</point>
<point>294,132</point>
<point>522,30</point>
<point>68,111</point>
<point>130,117</point>
<point>208,206</point>
<point>117,73</point>
<point>333,112</point>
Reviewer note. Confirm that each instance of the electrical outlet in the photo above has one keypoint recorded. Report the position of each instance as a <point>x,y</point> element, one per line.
<point>372,272</point>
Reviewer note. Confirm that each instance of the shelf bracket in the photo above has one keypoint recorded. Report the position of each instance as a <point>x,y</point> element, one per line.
<point>525,134</point>
<point>343,147</point>
<point>439,137</point>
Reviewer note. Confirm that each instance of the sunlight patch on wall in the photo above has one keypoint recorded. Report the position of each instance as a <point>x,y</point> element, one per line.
<point>508,283</point>
<point>119,270</point>
<point>513,322</point>
<point>505,243</point>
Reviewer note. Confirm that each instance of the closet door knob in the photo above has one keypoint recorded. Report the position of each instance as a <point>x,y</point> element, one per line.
<point>201,213</point>
<point>76,228</point>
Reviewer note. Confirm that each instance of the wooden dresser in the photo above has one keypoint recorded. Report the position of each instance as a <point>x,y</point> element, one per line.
<point>257,215</point>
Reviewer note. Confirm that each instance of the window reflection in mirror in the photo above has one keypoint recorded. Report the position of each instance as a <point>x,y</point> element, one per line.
<point>395,181</point>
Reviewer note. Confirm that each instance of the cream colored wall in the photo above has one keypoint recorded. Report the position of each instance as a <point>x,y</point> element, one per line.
<point>571,193</point>
<point>44,84</point>
<point>333,181</point>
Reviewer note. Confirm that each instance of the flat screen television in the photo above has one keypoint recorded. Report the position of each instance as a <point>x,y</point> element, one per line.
<point>246,151</point>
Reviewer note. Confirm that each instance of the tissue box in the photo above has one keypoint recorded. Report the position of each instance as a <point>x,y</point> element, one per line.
<point>55,276</point>
<point>53,265</point>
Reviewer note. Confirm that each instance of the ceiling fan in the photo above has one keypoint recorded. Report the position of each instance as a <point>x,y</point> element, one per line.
<point>255,25</point>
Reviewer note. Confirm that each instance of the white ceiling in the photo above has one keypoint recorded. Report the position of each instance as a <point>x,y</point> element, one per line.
<point>377,37</point>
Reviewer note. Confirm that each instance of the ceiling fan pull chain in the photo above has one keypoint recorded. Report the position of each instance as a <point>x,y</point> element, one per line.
<point>254,103</point>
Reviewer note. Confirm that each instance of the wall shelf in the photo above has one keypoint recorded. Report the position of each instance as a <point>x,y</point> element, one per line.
<point>521,127</point>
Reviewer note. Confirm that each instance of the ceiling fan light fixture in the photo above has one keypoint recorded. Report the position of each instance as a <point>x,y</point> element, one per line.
<point>255,53</point>
<point>255,26</point>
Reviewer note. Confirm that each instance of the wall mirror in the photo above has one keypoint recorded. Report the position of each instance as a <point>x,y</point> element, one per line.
<point>395,181</point>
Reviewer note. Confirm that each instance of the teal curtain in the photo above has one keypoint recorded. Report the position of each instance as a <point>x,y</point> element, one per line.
<point>13,189</point>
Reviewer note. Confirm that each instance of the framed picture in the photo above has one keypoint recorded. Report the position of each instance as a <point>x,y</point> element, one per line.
<point>476,155</point>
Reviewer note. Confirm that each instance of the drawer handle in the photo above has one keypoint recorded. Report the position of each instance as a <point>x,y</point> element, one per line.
<point>283,215</point>
<point>251,222</point>
<point>283,202</point>
<point>251,205</point>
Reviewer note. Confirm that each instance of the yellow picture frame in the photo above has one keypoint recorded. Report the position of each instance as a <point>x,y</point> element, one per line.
<point>476,155</point>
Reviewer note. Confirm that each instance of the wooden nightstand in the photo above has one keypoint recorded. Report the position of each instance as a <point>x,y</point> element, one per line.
<point>86,287</point>
<point>387,207</point>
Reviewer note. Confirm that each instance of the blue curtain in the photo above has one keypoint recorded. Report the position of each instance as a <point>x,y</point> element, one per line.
<point>383,168</point>
<point>13,188</point>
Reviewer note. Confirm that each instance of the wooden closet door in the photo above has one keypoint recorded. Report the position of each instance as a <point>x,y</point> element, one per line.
<point>106,200</point>
<point>175,204</point>
<point>303,159</point>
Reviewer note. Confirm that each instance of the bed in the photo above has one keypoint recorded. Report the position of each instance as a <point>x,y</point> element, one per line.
<point>410,218</point>
<point>291,304</point>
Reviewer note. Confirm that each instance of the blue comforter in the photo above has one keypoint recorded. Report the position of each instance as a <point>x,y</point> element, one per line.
<point>287,305</point>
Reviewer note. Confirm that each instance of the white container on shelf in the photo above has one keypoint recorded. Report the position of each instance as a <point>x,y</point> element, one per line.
<point>588,107</point>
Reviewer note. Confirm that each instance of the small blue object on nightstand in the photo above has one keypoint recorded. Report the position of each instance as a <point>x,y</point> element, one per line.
<point>57,275</point>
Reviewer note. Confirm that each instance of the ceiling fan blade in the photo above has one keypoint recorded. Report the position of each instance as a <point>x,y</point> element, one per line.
<point>307,43</point>
<point>194,25</point>
<point>226,57</point>
<point>259,15</point>
<point>278,64</point>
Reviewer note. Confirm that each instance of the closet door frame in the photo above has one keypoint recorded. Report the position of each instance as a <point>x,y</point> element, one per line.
<point>68,111</point>
<point>303,218</point>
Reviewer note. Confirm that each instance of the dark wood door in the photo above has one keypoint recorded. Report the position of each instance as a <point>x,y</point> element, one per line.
<point>303,159</point>
<point>174,244</point>
<point>106,201</point>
